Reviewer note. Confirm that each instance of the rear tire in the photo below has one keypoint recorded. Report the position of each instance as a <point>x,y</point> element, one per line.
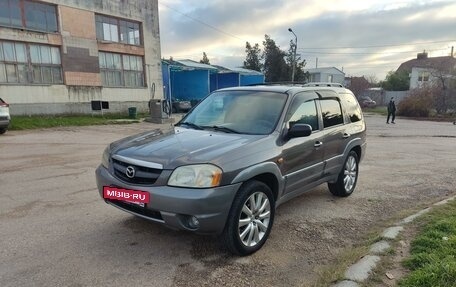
<point>250,219</point>
<point>348,177</point>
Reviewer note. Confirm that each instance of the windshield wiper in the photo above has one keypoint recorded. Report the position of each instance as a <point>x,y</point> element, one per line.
<point>195,126</point>
<point>225,129</point>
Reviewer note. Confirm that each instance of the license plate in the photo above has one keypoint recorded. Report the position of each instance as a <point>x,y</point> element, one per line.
<point>128,195</point>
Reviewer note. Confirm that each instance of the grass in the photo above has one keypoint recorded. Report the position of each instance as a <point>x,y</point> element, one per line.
<point>379,110</point>
<point>38,122</point>
<point>433,252</point>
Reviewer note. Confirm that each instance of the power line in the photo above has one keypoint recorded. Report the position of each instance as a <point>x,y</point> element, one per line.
<point>365,53</point>
<point>377,46</point>
<point>203,23</point>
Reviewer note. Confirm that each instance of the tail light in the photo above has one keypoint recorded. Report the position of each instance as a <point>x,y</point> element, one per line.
<point>3,103</point>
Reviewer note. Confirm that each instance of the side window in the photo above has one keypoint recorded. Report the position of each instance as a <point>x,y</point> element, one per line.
<point>331,112</point>
<point>352,107</point>
<point>303,111</point>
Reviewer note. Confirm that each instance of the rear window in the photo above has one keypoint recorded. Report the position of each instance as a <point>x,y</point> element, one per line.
<point>352,107</point>
<point>331,112</point>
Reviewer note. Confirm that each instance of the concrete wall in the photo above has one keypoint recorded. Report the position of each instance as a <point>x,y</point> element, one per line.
<point>79,54</point>
<point>61,99</point>
<point>382,97</point>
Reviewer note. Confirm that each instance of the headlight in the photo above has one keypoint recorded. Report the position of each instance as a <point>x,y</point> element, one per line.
<point>105,158</point>
<point>199,175</point>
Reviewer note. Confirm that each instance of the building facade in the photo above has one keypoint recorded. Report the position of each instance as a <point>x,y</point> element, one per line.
<point>326,74</point>
<point>79,56</point>
<point>424,71</point>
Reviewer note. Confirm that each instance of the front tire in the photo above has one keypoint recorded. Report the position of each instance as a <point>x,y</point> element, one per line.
<point>348,177</point>
<point>3,130</point>
<point>250,219</point>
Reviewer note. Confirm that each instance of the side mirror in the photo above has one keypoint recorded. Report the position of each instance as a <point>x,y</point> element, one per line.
<point>299,130</point>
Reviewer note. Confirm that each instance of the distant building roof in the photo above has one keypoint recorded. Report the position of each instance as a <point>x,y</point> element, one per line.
<point>222,69</point>
<point>244,71</point>
<point>196,65</point>
<point>445,63</point>
<point>324,70</point>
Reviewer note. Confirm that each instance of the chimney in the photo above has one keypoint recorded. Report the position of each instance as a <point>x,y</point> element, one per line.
<point>422,56</point>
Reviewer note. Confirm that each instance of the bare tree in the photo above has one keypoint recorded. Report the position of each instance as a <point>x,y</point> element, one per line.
<point>445,92</point>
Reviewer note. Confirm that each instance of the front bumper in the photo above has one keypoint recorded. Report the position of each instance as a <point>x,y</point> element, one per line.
<point>4,123</point>
<point>173,206</point>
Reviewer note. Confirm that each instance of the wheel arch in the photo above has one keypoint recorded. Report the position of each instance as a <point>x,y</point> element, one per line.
<point>267,173</point>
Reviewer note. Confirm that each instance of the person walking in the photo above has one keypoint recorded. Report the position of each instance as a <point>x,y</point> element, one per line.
<point>391,111</point>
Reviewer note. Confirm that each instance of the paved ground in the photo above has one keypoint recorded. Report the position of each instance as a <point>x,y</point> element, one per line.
<point>56,231</point>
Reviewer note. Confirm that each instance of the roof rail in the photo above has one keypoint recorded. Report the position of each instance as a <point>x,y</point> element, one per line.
<point>285,83</point>
<point>323,84</point>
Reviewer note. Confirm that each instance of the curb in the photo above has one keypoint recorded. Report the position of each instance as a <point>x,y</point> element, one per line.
<point>361,270</point>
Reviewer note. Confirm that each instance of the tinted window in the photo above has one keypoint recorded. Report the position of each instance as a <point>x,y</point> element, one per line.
<point>303,111</point>
<point>331,112</point>
<point>352,107</point>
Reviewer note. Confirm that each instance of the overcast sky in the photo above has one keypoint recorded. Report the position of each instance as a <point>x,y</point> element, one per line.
<point>369,37</point>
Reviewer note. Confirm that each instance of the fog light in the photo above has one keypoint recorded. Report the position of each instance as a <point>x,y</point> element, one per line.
<point>193,222</point>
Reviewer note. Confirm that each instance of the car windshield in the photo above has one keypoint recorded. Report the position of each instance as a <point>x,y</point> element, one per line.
<point>245,112</point>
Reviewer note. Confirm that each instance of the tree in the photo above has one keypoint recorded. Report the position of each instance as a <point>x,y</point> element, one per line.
<point>396,81</point>
<point>253,57</point>
<point>300,75</point>
<point>275,68</point>
<point>373,80</point>
<point>358,85</point>
<point>445,96</point>
<point>205,59</point>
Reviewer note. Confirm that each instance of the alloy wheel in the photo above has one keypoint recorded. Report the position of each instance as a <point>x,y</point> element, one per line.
<point>254,219</point>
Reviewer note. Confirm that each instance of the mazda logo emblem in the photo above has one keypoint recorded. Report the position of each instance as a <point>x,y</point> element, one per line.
<point>130,172</point>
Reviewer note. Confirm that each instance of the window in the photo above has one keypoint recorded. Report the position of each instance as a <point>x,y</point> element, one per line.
<point>423,76</point>
<point>352,107</point>
<point>117,30</point>
<point>10,13</point>
<point>34,15</point>
<point>331,112</point>
<point>121,70</point>
<point>29,63</point>
<point>303,111</point>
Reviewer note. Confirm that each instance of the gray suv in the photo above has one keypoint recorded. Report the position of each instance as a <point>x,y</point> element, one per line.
<point>233,159</point>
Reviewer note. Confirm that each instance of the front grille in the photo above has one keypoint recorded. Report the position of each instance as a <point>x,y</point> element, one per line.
<point>143,175</point>
<point>3,118</point>
<point>152,214</point>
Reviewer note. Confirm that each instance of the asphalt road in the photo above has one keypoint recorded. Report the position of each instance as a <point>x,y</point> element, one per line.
<point>55,230</point>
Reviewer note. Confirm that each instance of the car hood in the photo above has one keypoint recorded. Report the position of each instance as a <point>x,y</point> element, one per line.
<point>182,146</point>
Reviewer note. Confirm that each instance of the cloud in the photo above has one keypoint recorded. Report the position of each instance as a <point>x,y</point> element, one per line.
<point>221,28</point>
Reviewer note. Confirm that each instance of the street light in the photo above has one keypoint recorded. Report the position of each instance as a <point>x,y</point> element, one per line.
<point>294,55</point>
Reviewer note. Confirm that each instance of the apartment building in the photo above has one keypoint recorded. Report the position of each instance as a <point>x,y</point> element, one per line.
<point>79,56</point>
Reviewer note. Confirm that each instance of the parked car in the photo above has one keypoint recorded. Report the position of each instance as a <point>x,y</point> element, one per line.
<point>180,106</point>
<point>5,117</point>
<point>237,156</point>
<point>367,102</point>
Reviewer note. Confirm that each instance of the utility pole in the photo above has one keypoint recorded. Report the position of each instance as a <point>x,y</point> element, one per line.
<point>294,55</point>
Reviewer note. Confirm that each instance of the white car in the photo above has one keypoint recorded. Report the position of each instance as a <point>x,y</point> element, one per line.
<point>4,116</point>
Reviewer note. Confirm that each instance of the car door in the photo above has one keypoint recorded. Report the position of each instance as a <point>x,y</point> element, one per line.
<point>335,134</point>
<point>303,156</point>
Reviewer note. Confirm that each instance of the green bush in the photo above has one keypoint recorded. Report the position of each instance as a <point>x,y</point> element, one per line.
<point>418,103</point>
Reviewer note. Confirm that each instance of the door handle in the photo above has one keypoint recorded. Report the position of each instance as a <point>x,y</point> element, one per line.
<point>346,135</point>
<point>318,144</point>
